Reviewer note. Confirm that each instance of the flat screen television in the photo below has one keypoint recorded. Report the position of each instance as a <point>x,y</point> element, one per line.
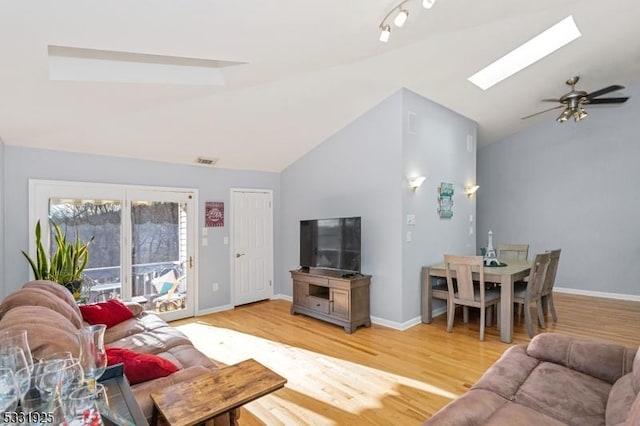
<point>330,244</point>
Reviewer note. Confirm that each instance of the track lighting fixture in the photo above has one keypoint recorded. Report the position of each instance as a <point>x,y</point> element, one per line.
<point>385,33</point>
<point>401,16</point>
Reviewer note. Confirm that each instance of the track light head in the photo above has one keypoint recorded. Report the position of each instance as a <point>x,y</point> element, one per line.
<point>401,18</point>
<point>385,32</point>
<point>428,4</point>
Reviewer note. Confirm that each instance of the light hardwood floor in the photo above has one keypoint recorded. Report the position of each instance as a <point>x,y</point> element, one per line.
<point>377,375</point>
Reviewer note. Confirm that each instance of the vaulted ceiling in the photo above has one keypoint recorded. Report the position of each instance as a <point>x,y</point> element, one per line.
<point>307,68</point>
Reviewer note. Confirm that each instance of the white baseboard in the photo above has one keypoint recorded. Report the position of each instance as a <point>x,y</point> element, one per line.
<point>396,325</point>
<point>443,309</point>
<point>439,311</point>
<point>214,310</point>
<point>282,297</point>
<point>590,293</point>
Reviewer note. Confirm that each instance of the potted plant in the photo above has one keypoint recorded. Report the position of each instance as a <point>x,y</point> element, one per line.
<point>67,263</point>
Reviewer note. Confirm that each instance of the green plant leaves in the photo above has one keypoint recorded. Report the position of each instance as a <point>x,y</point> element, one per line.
<point>67,263</point>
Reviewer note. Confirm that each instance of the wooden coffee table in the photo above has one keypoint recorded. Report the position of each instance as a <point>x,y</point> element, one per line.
<point>194,401</point>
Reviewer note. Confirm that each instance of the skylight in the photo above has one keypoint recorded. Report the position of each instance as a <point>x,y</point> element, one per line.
<point>82,64</point>
<point>550,40</point>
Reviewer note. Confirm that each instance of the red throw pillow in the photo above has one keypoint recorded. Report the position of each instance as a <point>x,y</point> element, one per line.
<point>140,367</point>
<point>110,313</point>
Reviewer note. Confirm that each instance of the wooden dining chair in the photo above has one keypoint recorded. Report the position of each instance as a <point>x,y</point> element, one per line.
<point>513,251</point>
<point>547,287</point>
<point>467,293</point>
<point>526,293</point>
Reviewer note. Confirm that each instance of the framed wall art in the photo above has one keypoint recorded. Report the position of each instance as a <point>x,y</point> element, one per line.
<point>213,214</point>
<point>445,200</point>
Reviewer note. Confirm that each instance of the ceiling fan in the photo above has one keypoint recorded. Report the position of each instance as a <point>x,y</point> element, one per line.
<point>574,101</point>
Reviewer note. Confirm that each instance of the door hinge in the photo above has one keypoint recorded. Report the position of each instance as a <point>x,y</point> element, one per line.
<point>269,204</point>
<point>190,262</point>
<point>269,283</point>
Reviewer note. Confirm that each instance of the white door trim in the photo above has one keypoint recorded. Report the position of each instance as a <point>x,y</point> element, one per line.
<point>232,285</point>
<point>39,210</point>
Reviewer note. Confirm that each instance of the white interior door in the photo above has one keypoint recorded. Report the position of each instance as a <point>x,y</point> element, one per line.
<point>252,245</point>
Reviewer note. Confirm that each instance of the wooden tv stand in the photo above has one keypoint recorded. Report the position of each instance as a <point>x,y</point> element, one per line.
<point>332,297</point>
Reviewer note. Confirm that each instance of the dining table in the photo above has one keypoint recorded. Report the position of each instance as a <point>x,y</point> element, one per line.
<point>510,271</point>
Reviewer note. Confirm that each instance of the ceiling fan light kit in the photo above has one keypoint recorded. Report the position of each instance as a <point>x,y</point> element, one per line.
<point>574,101</point>
<point>400,18</point>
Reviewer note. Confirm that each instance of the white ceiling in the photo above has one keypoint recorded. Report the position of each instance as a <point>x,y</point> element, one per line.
<point>312,67</point>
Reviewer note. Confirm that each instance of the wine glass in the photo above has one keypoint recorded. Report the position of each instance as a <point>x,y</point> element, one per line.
<point>70,375</point>
<point>13,357</point>
<point>84,406</point>
<point>46,380</point>
<point>93,356</point>
<point>42,404</point>
<point>9,393</point>
<point>17,338</point>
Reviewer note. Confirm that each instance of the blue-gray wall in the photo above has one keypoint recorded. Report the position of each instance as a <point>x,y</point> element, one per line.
<point>363,171</point>
<point>22,164</point>
<point>356,172</point>
<point>434,146</point>
<point>573,186</point>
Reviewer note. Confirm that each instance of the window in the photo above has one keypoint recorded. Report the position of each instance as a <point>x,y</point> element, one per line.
<point>142,246</point>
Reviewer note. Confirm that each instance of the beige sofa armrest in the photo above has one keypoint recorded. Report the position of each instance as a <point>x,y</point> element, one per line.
<point>605,361</point>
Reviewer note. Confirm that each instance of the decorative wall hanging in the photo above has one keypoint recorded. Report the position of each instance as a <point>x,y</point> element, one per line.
<point>213,214</point>
<point>445,200</point>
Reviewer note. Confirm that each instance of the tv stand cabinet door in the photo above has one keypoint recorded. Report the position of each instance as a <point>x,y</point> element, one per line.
<point>300,294</point>
<point>339,303</point>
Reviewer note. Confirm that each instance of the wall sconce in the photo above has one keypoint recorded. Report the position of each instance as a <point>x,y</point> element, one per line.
<point>416,182</point>
<point>471,189</point>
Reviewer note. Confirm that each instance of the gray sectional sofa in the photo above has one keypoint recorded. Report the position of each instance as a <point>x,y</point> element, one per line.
<point>554,380</point>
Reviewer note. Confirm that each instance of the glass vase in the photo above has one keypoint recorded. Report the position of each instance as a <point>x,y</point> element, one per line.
<point>93,356</point>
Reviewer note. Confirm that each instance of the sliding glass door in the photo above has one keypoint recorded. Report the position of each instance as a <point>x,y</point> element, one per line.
<point>143,240</point>
<point>160,232</point>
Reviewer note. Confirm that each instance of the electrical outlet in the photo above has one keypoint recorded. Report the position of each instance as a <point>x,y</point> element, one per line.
<point>215,287</point>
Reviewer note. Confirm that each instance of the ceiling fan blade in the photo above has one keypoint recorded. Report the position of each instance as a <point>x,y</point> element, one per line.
<point>551,100</point>
<point>604,91</point>
<point>541,112</point>
<point>608,101</point>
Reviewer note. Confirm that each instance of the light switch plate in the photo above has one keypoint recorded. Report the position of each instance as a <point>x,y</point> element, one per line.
<point>411,219</point>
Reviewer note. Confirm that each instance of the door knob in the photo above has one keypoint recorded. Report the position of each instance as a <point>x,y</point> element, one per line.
<point>239,254</point>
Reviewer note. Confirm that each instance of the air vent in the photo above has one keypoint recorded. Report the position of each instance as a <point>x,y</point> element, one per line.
<point>206,161</point>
